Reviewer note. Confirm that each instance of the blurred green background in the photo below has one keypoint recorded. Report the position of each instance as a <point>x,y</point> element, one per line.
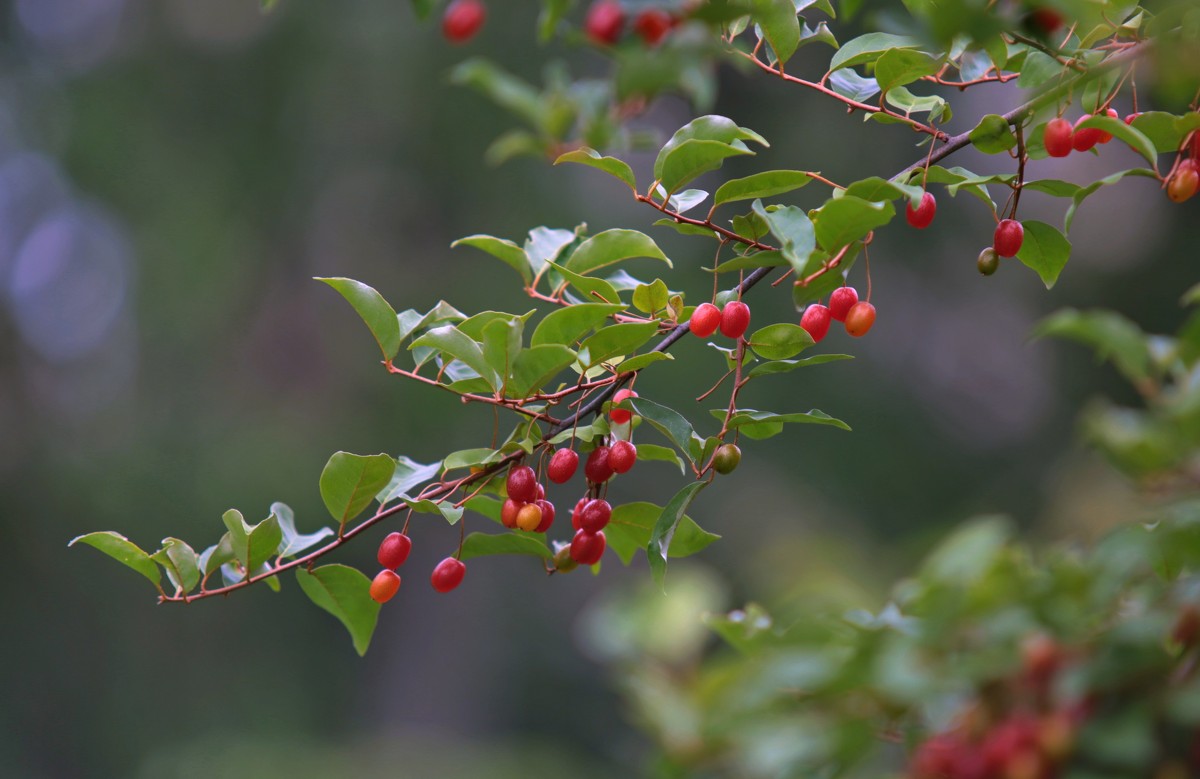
<point>173,173</point>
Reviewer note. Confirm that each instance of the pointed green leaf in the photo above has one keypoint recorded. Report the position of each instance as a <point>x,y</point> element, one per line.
<point>665,527</point>
<point>124,551</point>
<point>632,524</point>
<point>567,325</point>
<point>875,188</point>
<point>447,511</point>
<point>784,366</point>
<point>640,361</point>
<point>793,228</point>
<point>595,289</point>
<point>781,28</point>
<point>506,251</point>
<point>694,157</point>
<point>1045,250</point>
<point>760,185</point>
<point>764,424</point>
<point>1121,131</point>
<point>704,128</point>
<point>538,365</point>
<point>616,340</point>
<point>993,135</point>
<point>350,482</point>
<point>252,546</point>
<point>457,345</point>
<point>651,297</point>
<point>847,219</point>
<point>379,316</point>
<point>1111,336</point>
<point>613,246</point>
<point>780,341</point>
<point>653,452</point>
<point>610,165</point>
<point>408,474</point>
<point>897,67</point>
<point>868,48</point>
<point>180,562</point>
<point>345,593</point>
<point>295,542</point>
<point>666,420</point>
<point>484,544</point>
<point>216,555</point>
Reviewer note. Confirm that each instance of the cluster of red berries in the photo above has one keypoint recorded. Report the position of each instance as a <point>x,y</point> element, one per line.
<point>605,22</point>
<point>1061,137</point>
<point>1026,740</point>
<point>393,551</point>
<point>733,320</point>
<point>844,306</point>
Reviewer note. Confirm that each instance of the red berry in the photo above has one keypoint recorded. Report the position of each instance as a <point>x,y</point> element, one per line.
<point>587,548</point>
<point>384,586</point>
<point>509,512</point>
<point>1008,237</point>
<point>577,512</point>
<point>1106,137</point>
<point>547,516</point>
<point>595,515</point>
<point>1046,20</point>
<point>653,24</point>
<point>922,216</point>
<point>1058,137</point>
<point>735,318</point>
<point>1084,139</point>
<point>1194,146</point>
<point>393,550</point>
<point>936,758</point>
<point>596,469</point>
<point>604,21</point>
<point>621,456</point>
<point>522,484</point>
<point>816,321</point>
<point>860,319</point>
<point>448,574</point>
<point>619,415</point>
<point>541,492</point>
<point>705,320</point>
<point>462,20</point>
<point>1184,181</point>
<point>562,466</point>
<point>1129,119</point>
<point>840,302</point>
<point>529,518</point>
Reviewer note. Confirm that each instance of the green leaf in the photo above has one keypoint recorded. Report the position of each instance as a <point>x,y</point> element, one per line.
<point>294,542</point>
<point>345,593</point>
<point>766,184</point>
<point>447,511</point>
<point>875,188</point>
<point>780,341</point>
<point>753,260</point>
<point>1085,192</point>
<point>632,524</point>
<point>484,544</point>
<point>653,452</point>
<point>651,297</point>
<point>545,244</point>
<point>408,474</point>
<point>180,562</point>
<point>253,546</point>
<point>694,157</point>
<point>900,97</point>
<point>216,555</point>
<point>592,288</point>
<point>642,360</point>
<point>793,228</point>
<point>992,135</point>
<point>683,228</point>
<point>1111,336</point>
<point>467,458</point>
<point>1045,250</point>
<point>1121,131</point>
<point>897,67</point>
<point>1166,131</point>
<point>969,553</point>
<point>663,533</point>
<point>537,365</point>
<point>1037,69</point>
<point>868,48</point>
<point>610,165</point>
<point>350,482</point>
<point>848,83</point>
<point>502,346</point>
<point>764,424</point>
<point>374,310</point>
<point>781,28</point>
<point>615,340</point>
<point>505,89</point>
<point>666,420</point>
<point>613,246</point>
<point>455,344</point>
<point>957,176</point>
<point>847,219</point>
<point>705,128</point>
<point>506,251</point>
<point>783,366</point>
<point>124,551</point>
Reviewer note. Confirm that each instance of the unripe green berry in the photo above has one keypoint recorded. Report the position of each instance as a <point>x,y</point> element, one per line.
<point>726,458</point>
<point>988,262</point>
